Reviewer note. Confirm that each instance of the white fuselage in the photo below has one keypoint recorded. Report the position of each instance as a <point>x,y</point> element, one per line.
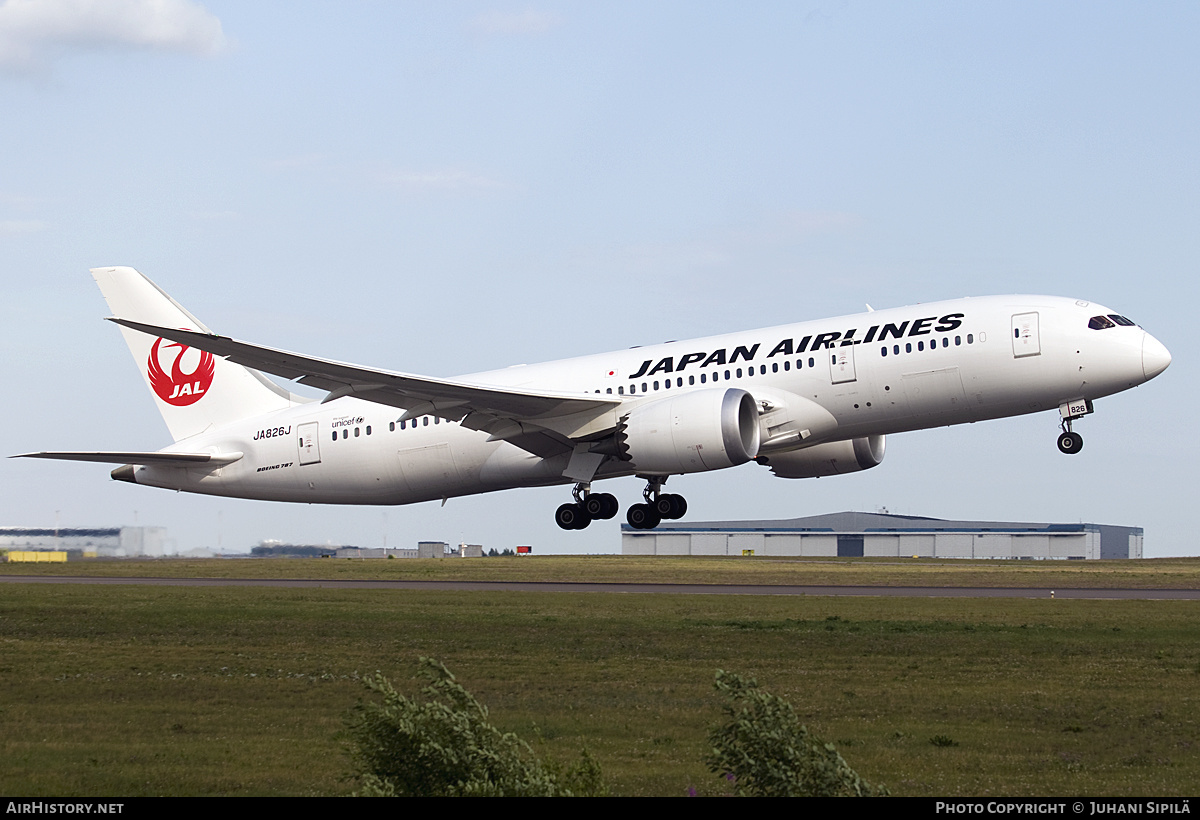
<point>875,373</point>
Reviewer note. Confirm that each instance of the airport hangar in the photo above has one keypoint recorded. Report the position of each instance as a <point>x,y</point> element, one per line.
<point>882,535</point>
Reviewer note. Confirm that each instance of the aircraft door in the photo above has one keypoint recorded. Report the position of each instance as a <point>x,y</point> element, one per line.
<point>310,452</point>
<point>841,365</point>
<point>1025,337</point>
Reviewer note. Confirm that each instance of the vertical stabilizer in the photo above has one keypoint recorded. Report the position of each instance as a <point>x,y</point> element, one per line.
<point>193,390</point>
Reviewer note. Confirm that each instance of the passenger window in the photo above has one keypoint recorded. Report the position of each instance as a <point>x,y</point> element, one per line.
<point>787,365</point>
<point>908,347</point>
<point>739,372</point>
<point>945,342</point>
<point>970,338</point>
<point>883,350</point>
<point>691,380</point>
<point>656,385</point>
<point>425,421</point>
<point>810,361</point>
<point>335,435</point>
<point>703,376</point>
<point>620,390</point>
<point>775,367</point>
<point>368,429</point>
<point>391,426</point>
<point>345,433</point>
<point>920,345</point>
<point>356,431</point>
<point>896,350</point>
<point>957,341</point>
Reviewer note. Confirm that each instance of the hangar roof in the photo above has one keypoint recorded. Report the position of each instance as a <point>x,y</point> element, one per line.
<point>873,522</point>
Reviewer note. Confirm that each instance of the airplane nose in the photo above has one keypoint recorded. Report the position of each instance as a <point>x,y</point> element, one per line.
<point>1155,357</point>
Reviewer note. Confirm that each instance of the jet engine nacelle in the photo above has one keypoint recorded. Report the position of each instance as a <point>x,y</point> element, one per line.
<point>833,458</point>
<point>692,432</point>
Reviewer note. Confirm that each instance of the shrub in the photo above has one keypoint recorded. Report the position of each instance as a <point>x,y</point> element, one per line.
<point>764,751</point>
<point>446,747</point>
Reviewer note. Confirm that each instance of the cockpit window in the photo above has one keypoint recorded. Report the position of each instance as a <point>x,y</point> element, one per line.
<point>1100,323</point>
<point>1121,320</point>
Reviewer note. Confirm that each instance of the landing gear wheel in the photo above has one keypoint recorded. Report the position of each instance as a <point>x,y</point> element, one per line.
<point>572,517</point>
<point>670,506</point>
<point>1070,443</point>
<point>601,506</point>
<point>643,517</point>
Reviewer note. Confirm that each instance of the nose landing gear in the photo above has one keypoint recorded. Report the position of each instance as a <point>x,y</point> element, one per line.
<point>1071,442</point>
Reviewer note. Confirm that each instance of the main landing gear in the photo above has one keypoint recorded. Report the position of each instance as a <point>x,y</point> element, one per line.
<point>659,506</point>
<point>587,506</point>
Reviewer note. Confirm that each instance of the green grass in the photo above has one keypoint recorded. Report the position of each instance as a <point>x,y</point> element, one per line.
<point>1159,573</point>
<point>243,691</point>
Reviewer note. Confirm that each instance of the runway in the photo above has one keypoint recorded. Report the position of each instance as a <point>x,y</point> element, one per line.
<point>634,589</point>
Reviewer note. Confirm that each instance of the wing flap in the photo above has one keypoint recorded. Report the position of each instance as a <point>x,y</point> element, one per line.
<point>415,394</point>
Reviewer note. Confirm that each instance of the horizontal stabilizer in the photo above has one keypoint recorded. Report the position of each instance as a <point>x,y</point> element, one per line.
<point>111,457</point>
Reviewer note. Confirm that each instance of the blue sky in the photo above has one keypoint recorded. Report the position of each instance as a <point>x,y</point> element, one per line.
<point>443,188</point>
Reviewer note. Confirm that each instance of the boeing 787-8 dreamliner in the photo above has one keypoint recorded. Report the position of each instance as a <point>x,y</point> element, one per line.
<point>803,400</point>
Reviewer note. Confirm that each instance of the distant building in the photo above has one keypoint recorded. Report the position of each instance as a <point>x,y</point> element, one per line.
<point>432,549</point>
<point>277,549</point>
<point>850,534</point>
<point>109,542</point>
<point>425,549</point>
<point>360,552</point>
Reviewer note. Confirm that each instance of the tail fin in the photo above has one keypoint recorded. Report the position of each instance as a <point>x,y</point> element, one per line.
<point>193,390</point>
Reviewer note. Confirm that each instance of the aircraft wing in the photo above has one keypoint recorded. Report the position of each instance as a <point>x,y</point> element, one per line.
<point>505,413</point>
<point>133,457</point>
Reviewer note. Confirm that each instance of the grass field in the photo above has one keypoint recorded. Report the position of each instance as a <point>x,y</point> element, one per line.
<point>1160,573</point>
<point>124,690</point>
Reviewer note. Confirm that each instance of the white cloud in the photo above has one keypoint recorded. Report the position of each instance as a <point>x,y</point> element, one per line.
<point>447,179</point>
<point>810,223</point>
<point>34,31</point>
<point>297,161</point>
<point>216,216</point>
<point>528,21</point>
<point>15,227</point>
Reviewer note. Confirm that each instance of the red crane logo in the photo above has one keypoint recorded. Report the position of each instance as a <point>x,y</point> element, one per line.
<point>179,388</point>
